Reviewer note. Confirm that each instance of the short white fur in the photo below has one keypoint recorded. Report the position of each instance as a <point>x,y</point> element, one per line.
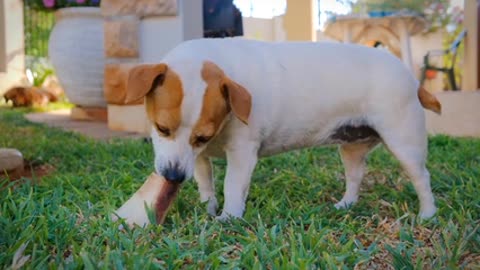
<point>300,93</point>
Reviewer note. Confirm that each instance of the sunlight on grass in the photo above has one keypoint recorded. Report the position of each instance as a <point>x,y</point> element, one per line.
<point>290,222</point>
<point>49,107</point>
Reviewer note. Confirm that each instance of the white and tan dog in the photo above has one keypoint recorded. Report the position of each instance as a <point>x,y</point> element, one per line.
<point>243,100</point>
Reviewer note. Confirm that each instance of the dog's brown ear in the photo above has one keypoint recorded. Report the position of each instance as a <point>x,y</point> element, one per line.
<point>238,98</point>
<point>142,79</point>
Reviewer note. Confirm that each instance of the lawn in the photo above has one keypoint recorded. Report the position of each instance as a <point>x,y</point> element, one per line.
<point>290,222</point>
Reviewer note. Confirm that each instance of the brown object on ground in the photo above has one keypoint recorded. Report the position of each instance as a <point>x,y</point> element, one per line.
<point>31,170</point>
<point>29,96</point>
<point>165,198</point>
<point>89,114</point>
<point>156,193</point>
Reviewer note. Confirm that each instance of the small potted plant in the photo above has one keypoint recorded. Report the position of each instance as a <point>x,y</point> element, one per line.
<point>76,49</point>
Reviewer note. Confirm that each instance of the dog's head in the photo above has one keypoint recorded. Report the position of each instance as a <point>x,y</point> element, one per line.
<point>187,107</point>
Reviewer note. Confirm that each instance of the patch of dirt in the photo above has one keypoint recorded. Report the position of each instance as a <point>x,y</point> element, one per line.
<point>31,170</point>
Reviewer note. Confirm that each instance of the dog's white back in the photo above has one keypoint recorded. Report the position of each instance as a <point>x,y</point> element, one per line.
<point>301,91</point>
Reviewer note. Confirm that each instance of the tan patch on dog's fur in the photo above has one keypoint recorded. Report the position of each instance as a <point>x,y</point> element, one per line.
<point>214,107</point>
<point>163,92</point>
<point>142,79</point>
<point>163,103</point>
<point>221,96</point>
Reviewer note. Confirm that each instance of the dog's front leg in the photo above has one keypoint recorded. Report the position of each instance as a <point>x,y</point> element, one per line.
<point>241,162</point>
<point>203,174</point>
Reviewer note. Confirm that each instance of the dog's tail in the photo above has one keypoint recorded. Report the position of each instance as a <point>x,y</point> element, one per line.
<point>429,101</point>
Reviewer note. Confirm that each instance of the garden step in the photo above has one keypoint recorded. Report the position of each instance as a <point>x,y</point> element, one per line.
<point>93,129</point>
<point>89,114</point>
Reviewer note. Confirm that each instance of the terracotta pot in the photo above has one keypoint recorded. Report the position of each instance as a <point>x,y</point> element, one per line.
<point>430,74</point>
<point>76,52</point>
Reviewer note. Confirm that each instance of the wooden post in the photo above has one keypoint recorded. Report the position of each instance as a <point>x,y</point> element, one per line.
<point>478,44</point>
<point>299,20</point>
<point>471,70</point>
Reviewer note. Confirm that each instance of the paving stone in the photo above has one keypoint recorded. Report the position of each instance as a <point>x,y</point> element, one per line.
<point>96,130</point>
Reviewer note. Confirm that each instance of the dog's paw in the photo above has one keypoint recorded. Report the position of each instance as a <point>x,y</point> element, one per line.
<point>344,204</point>
<point>212,206</point>
<point>427,213</point>
<point>224,217</point>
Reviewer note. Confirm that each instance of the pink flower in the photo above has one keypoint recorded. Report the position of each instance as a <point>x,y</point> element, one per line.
<point>440,7</point>
<point>49,3</point>
<point>81,1</point>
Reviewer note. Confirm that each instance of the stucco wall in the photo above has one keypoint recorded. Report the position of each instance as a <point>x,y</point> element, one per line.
<point>12,48</point>
<point>264,29</point>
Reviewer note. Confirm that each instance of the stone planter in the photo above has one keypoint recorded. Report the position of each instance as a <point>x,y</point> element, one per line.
<point>76,51</point>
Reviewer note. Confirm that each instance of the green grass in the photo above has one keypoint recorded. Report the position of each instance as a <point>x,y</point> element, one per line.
<point>290,222</point>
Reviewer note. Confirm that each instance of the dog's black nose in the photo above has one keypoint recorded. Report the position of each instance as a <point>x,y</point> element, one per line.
<point>173,173</point>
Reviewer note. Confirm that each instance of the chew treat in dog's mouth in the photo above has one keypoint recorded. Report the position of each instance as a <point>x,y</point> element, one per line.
<point>156,193</point>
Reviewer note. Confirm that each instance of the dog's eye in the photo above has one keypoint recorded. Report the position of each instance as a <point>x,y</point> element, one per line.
<point>165,131</point>
<point>202,139</point>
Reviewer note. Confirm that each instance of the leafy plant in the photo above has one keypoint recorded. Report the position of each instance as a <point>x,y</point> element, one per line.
<point>38,70</point>
<point>37,27</point>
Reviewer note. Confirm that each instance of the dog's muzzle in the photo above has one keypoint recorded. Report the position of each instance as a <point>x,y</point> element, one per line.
<point>173,173</point>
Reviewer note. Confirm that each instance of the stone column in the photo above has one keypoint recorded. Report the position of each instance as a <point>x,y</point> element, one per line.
<point>299,20</point>
<point>471,53</point>
<point>141,31</point>
<point>12,54</point>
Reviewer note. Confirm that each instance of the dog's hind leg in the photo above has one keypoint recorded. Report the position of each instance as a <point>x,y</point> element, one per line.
<point>407,140</point>
<point>353,158</point>
<point>203,174</point>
